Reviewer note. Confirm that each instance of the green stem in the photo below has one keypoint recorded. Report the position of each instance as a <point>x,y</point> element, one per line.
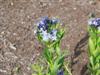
<point>66,67</point>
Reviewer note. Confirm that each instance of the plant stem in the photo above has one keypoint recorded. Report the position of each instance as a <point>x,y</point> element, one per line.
<point>68,70</point>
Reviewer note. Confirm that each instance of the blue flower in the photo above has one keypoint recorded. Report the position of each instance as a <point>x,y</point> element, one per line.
<point>42,26</point>
<point>53,34</point>
<point>45,36</point>
<point>60,72</point>
<point>54,21</point>
<point>46,22</point>
<point>94,22</point>
<point>43,23</point>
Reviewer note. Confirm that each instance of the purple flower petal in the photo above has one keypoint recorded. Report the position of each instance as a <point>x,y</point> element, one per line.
<point>94,22</point>
<point>60,72</point>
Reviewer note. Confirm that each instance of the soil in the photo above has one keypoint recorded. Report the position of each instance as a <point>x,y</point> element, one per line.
<point>18,45</point>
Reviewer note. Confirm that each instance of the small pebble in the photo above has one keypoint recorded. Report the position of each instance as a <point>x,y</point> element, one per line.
<point>12,46</point>
<point>92,2</point>
<point>28,16</point>
<point>22,22</point>
<point>12,3</point>
<point>14,34</point>
<point>74,8</point>
<point>2,33</point>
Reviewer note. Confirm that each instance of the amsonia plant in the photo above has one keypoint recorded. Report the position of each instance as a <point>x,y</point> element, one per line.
<point>50,33</point>
<point>94,46</point>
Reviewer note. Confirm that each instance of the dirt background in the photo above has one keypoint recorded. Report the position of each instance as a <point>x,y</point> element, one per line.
<point>18,45</point>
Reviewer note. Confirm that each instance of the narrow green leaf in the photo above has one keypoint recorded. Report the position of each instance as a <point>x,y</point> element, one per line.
<point>91,46</point>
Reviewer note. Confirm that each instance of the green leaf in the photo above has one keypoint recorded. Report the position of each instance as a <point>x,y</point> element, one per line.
<point>60,60</point>
<point>98,42</point>
<point>98,59</point>
<point>89,67</point>
<point>48,55</point>
<point>56,65</point>
<point>60,34</point>
<point>91,46</point>
<point>92,32</point>
<point>55,68</point>
<point>97,66</point>
<point>96,52</point>
<point>98,72</point>
<point>92,62</point>
<point>57,48</point>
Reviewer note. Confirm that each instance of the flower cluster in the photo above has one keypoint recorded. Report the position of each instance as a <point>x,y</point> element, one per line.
<point>94,22</point>
<point>46,29</point>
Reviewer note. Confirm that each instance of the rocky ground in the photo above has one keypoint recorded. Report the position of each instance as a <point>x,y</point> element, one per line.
<point>18,45</point>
